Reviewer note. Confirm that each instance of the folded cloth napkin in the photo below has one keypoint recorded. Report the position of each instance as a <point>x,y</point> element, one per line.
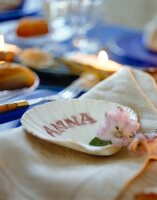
<point>144,183</point>
<point>132,88</point>
<point>34,169</point>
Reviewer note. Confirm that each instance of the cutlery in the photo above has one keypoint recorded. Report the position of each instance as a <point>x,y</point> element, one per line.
<point>14,110</point>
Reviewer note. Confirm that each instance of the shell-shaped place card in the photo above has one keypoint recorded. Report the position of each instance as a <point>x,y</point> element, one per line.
<point>72,123</point>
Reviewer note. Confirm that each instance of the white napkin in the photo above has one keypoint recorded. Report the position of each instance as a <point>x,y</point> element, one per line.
<point>132,88</point>
<point>145,182</point>
<point>34,169</point>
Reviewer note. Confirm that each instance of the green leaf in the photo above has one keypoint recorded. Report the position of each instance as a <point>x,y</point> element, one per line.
<point>98,142</point>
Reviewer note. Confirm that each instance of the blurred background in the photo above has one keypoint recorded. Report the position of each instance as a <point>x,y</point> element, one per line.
<point>134,13</point>
<point>122,12</point>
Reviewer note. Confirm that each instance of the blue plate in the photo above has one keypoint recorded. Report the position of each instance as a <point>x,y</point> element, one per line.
<point>29,8</point>
<point>131,47</point>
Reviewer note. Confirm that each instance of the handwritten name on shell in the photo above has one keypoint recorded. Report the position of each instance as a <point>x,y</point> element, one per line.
<point>61,126</point>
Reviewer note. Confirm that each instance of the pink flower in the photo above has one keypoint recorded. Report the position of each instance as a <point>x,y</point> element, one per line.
<point>144,144</point>
<point>118,127</point>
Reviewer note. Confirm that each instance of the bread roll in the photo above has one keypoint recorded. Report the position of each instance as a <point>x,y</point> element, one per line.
<point>15,76</point>
<point>31,27</point>
<point>35,58</point>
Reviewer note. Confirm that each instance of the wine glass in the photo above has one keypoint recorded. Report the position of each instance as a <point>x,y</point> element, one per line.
<point>55,12</point>
<point>82,16</point>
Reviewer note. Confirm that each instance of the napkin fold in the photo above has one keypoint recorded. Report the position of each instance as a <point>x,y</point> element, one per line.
<point>132,88</point>
<point>34,169</point>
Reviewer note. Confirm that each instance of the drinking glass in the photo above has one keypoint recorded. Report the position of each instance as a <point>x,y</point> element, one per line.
<point>82,16</point>
<point>55,12</point>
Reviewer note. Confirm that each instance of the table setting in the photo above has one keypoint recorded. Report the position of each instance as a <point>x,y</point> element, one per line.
<point>78,105</point>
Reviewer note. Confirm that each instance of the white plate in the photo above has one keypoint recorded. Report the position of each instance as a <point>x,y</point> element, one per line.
<point>30,41</point>
<point>61,34</point>
<point>71,123</point>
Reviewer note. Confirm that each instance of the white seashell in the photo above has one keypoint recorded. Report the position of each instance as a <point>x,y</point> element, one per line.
<point>72,123</point>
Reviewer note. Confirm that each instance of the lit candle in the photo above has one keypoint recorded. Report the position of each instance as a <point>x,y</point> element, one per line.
<point>2,44</point>
<point>7,51</point>
<point>106,64</point>
<point>100,64</point>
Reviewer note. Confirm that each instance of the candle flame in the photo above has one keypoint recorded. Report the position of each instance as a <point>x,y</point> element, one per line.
<point>2,44</point>
<point>102,58</point>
